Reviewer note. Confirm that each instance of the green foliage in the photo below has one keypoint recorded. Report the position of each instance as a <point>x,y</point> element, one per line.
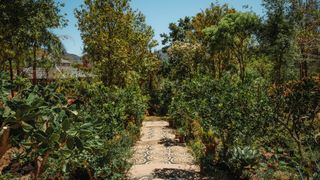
<point>25,27</point>
<point>234,114</point>
<point>233,29</point>
<point>224,106</point>
<point>277,37</point>
<point>242,158</point>
<point>220,113</point>
<point>242,125</point>
<point>115,116</point>
<point>179,32</point>
<point>117,41</point>
<point>39,122</point>
<point>160,97</point>
<point>184,59</point>
<point>90,134</point>
<point>234,33</point>
<point>297,105</point>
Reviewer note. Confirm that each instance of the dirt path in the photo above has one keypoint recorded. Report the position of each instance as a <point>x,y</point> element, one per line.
<point>158,156</point>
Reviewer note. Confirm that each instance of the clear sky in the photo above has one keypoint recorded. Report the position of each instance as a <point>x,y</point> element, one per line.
<point>159,13</point>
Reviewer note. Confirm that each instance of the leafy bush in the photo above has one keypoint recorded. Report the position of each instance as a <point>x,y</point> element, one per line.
<point>297,104</point>
<point>39,123</point>
<point>115,116</point>
<point>160,97</point>
<point>234,111</point>
<point>225,114</point>
<point>73,134</point>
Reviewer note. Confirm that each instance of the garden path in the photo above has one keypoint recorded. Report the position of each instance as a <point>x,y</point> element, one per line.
<point>158,155</point>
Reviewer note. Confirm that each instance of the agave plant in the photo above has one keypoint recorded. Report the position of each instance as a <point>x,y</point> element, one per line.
<point>242,158</point>
<point>245,156</point>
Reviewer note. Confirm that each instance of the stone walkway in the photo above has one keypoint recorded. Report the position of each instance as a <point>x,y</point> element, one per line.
<point>158,155</point>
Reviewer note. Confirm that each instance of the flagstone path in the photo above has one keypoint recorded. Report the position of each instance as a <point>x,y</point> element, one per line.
<point>158,155</point>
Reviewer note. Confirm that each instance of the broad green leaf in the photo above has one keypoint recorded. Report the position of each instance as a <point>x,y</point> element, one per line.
<point>55,137</point>
<point>41,137</point>
<point>31,98</point>
<point>85,132</point>
<point>61,116</point>
<point>7,112</point>
<point>78,143</point>
<point>74,112</point>
<point>86,125</point>
<point>49,131</point>
<point>66,153</point>
<point>26,127</point>
<point>66,124</point>
<point>70,143</point>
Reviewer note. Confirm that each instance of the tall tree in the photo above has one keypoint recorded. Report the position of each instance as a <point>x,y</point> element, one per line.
<point>13,18</point>
<point>25,25</point>
<point>190,30</point>
<point>277,36</point>
<point>306,14</point>
<point>215,61</point>
<point>209,17</point>
<point>235,32</point>
<point>116,39</point>
<point>184,59</point>
<point>44,15</point>
<point>179,31</point>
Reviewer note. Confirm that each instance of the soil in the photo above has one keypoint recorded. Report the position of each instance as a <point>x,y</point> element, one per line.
<point>6,164</point>
<point>6,158</point>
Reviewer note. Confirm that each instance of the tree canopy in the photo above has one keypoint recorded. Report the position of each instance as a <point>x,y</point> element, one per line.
<point>117,40</point>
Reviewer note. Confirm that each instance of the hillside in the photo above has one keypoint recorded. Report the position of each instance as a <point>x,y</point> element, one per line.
<point>72,58</point>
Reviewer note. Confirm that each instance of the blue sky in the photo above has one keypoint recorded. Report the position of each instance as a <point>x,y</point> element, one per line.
<point>159,13</point>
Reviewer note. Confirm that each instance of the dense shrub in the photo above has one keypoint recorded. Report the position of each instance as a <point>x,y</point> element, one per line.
<point>297,105</point>
<point>234,124</point>
<point>160,98</point>
<point>87,132</point>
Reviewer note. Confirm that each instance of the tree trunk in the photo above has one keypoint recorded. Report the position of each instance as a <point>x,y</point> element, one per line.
<point>18,67</point>
<point>303,66</point>
<point>4,141</point>
<point>34,66</point>
<point>240,50</point>
<point>242,70</point>
<point>214,72</point>
<point>11,76</point>
<point>18,62</point>
<point>278,77</point>
<point>219,68</point>
<point>303,69</point>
